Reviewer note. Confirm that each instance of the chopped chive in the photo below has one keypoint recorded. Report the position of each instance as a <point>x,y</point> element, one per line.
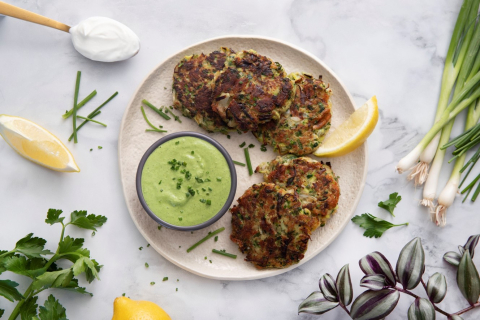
<point>216,238</point>
<point>226,254</point>
<point>123,294</point>
<point>151,106</point>
<point>95,121</point>
<point>239,163</point>
<point>475,195</point>
<point>210,261</point>
<point>251,145</point>
<point>146,265</point>
<point>209,202</point>
<point>91,149</point>
<point>165,278</point>
<point>148,245</point>
<point>177,143</point>
<point>75,106</point>
<point>160,182</point>
<point>100,147</point>
<point>219,179</point>
<point>152,283</point>
<point>203,200</point>
<point>149,123</point>
<point>193,152</point>
<point>176,289</point>
<point>247,158</point>
<point>140,248</point>
<point>179,218</point>
<point>263,148</point>
<point>242,145</point>
<point>208,236</point>
<point>94,113</point>
<point>177,118</point>
<point>159,227</point>
<point>68,113</point>
<point>205,258</point>
<point>228,136</point>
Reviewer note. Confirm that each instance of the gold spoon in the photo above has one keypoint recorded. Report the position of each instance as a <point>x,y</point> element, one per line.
<point>22,14</point>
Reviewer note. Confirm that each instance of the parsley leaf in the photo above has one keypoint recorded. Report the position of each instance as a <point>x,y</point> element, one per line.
<point>32,247</point>
<point>52,310</point>
<point>87,265</point>
<point>1,312</point>
<point>374,227</point>
<point>29,308</point>
<point>91,222</point>
<point>53,216</point>
<point>20,265</point>
<point>391,203</point>
<point>73,286</point>
<point>69,244</point>
<point>7,290</point>
<point>54,279</point>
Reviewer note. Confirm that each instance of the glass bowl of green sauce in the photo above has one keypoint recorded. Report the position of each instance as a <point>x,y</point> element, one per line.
<point>186,181</point>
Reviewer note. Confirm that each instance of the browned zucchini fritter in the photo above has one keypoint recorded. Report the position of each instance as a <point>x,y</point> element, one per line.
<point>251,90</point>
<point>192,88</point>
<point>270,226</point>
<point>302,128</point>
<point>315,183</point>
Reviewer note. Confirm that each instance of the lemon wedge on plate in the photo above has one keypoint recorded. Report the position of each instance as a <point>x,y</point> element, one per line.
<point>36,144</point>
<point>352,132</point>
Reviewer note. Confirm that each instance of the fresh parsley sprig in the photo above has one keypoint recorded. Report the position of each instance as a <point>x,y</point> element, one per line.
<point>374,227</point>
<point>29,258</point>
<point>391,203</point>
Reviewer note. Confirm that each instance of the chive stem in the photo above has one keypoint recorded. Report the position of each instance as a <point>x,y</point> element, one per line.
<point>247,158</point>
<point>226,254</point>
<point>239,163</point>
<point>75,101</point>
<point>151,130</point>
<point>475,195</point>
<point>177,118</point>
<point>149,123</point>
<point>90,119</point>
<point>157,110</point>
<point>208,236</point>
<point>471,184</point>
<point>94,113</point>
<point>80,104</point>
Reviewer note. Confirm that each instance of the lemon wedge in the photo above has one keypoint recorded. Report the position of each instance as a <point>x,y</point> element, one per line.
<point>352,132</point>
<point>36,144</point>
<point>127,309</point>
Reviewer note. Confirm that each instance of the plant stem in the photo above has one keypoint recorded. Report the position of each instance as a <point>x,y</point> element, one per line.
<point>80,104</point>
<point>19,305</point>
<point>94,121</point>
<point>344,308</point>
<point>415,296</point>
<point>468,308</point>
<point>75,106</point>
<point>7,253</point>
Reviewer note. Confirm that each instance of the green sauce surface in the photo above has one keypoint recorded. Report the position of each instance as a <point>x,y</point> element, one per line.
<point>186,181</point>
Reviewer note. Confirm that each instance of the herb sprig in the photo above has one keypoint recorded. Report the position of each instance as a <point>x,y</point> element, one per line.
<point>374,227</point>
<point>391,203</point>
<point>30,258</point>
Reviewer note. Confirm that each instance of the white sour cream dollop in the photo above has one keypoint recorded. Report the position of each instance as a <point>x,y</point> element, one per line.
<point>104,39</point>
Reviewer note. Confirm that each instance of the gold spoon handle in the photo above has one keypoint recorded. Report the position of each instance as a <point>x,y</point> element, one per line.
<point>22,14</point>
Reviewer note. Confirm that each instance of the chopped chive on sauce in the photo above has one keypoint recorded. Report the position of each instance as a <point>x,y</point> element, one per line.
<point>165,279</point>
<point>223,253</point>
<point>203,200</point>
<point>242,145</point>
<point>208,236</point>
<point>219,179</point>
<point>193,152</point>
<point>239,163</point>
<point>160,182</point>
<point>179,218</point>
<point>209,202</point>
<point>177,143</point>
<point>146,265</point>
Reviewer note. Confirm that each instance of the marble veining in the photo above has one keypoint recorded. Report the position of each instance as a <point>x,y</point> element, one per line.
<point>394,49</point>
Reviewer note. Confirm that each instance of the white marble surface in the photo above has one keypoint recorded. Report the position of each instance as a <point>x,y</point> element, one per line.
<point>394,49</point>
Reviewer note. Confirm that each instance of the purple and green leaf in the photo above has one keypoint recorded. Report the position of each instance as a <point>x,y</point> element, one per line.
<point>374,305</point>
<point>316,304</point>
<point>411,264</point>
<point>376,263</point>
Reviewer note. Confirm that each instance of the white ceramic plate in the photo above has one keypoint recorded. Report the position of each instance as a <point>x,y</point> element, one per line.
<point>134,141</point>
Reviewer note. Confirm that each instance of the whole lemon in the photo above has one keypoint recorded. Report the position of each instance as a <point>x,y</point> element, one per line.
<point>128,309</point>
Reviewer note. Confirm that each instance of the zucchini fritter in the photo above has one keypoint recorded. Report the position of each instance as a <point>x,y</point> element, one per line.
<point>315,183</point>
<point>270,226</point>
<point>302,128</point>
<point>251,90</point>
<point>192,88</point>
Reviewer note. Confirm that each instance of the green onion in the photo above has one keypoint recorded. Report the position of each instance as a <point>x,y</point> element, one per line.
<point>75,101</point>
<point>247,158</point>
<point>80,104</point>
<point>94,113</point>
<point>95,121</point>
<point>239,163</point>
<point>151,106</point>
<point>208,236</point>
<point>226,254</point>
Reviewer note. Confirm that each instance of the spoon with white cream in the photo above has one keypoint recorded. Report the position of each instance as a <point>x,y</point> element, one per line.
<point>97,38</point>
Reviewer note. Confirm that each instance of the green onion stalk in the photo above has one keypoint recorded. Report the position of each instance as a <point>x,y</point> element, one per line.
<point>457,51</point>
<point>468,71</point>
<point>448,194</point>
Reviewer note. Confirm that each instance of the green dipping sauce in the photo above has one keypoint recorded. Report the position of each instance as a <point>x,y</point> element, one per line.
<point>186,181</point>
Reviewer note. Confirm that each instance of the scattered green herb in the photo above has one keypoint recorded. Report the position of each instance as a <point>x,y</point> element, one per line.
<point>146,265</point>
<point>151,106</point>
<point>75,106</point>
<point>374,227</point>
<point>249,164</point>
<point>228,136</point>
<point>239,163</point>
<point>141,248</point>
<point>263,148</point>
<point>152,283</point>
<point>100,147</point>
<point>208,236</point>
<point>209,202</point>
<point>165,279</point>
<point>177,118</point>
<point>68,113</point>
<point>242,145</point>
<point>223,253</point>
<point>251,146</point>
<point>159,227</point>
<point>149,123</point>
<point>216,238</point>
<point>91,120</point>
<point>391,203</point>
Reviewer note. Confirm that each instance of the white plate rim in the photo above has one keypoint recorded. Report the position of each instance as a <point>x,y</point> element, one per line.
<point>274,272</point>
